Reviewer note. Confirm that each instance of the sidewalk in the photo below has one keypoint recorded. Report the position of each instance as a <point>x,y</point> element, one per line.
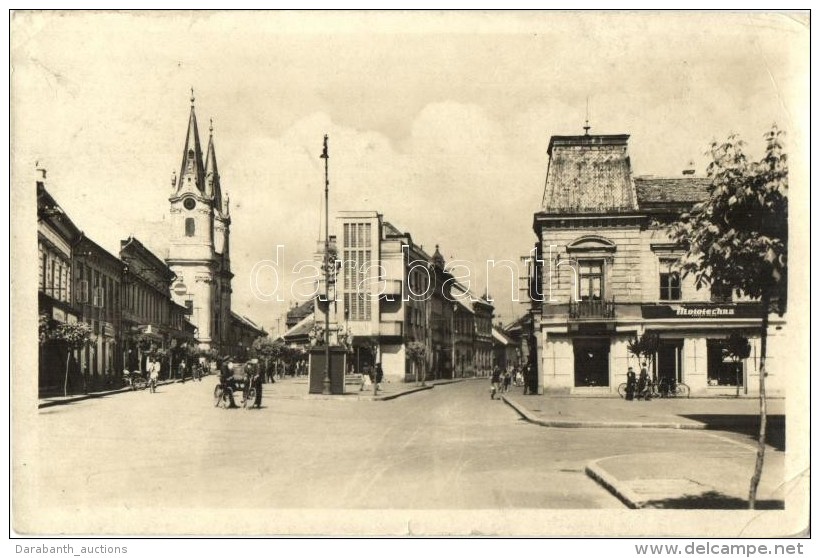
<point>286,388</point>
<point>680,479</point>
<point>297,388</point>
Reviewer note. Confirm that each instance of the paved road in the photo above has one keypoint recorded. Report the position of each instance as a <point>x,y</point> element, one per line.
<point>446,448</point>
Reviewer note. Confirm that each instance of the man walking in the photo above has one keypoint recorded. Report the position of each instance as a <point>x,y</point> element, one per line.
<point>496,382</point>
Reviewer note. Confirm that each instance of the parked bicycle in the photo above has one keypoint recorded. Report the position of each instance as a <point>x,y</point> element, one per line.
<point>665,388</point>
<point>135,381</point>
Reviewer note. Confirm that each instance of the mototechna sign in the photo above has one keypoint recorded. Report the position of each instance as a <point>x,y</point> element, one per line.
<point>700,311</point>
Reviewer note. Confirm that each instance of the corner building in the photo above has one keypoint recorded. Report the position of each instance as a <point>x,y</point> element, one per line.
<point>605,273</point>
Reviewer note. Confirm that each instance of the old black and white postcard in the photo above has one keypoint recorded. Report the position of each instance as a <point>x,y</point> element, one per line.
<point>430,273</point>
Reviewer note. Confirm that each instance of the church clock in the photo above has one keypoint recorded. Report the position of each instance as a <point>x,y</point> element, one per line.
<point>189,203</point>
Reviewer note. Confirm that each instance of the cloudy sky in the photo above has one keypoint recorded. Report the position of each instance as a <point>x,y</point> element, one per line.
<point>440,121</point>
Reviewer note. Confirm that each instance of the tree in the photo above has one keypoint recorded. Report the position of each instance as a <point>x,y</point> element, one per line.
<point>644,348</point>
<point>738,348</point>
<point>417,353</point>
<point>738,238</point>
<point>75,336</point>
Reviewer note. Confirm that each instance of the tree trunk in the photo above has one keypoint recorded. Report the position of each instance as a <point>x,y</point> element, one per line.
<point>65,382</point>
<point>761,439</point>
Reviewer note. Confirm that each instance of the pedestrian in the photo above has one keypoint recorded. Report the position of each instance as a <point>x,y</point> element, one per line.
<point>495,381</point>
<point>379,376</point>
<point>644,385</point>
<point>365,383</point>
<point>630,384</point>
<point>257,382</point>
<point>182,370</point>
<point>155,369</point>
<point>507,380</point>
<point>269,371</point>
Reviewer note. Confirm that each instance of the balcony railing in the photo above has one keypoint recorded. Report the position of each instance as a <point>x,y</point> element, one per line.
<point>591,309</point>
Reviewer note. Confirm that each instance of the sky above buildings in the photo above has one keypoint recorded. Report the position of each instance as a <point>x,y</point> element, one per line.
<point>440,121</point>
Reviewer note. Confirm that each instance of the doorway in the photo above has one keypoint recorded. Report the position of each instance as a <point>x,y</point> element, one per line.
<point>670,358</point>
<point>591,361</point>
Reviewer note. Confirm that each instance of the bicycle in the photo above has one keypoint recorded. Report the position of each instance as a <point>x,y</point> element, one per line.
<point>665,388</point>
<point>669,387</point>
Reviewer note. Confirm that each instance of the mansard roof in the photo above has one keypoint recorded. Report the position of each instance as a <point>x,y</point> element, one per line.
<point>589,174</point>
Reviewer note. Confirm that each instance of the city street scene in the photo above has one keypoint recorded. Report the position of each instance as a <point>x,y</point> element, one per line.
<point>410,274</point>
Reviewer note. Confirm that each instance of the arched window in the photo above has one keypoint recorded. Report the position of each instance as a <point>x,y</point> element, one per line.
<point>190,226</point>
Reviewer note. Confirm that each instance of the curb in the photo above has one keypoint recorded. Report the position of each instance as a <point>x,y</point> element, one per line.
<point>625,495</point>
<point>526,415</point>
<point>94,395</point>
<point>316,396</point>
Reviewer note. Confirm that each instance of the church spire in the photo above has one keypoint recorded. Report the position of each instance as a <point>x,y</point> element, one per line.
<point>192,174</point>
<point>213,187</point>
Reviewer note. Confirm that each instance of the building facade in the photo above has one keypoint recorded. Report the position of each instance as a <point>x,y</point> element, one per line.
<point>97,287</point>
<point>605,272</point>
<point>199,252</point>
<point>388,292</point>
<point>56,236</point>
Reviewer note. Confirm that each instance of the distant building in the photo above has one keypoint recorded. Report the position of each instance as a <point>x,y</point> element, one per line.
<point>606,273</point>
<point>146,306</point>
<point>97,279</point>
<point>389,292</point>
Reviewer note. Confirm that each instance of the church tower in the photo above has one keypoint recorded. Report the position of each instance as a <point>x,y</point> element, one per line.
<point>200,240</point>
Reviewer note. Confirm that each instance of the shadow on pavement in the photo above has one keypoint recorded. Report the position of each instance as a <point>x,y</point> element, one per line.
<point>712,500</point>
<point>748,426</point>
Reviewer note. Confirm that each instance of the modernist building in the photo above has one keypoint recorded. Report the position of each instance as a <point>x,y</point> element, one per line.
<point>388,292</point>
<point>199,253</point>
<point>606,273</point>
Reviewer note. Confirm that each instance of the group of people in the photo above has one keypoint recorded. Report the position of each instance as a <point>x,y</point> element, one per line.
<point>502,380</point>
<point>253,378</point>
<point>638,388</point>
<point>372,376</point>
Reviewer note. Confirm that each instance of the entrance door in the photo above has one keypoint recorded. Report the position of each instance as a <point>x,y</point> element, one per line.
<point>591,362</point>
<point>669,359</point>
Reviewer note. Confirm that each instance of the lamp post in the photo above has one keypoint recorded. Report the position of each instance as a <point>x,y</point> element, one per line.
<point>326,382</point>
<point>453,336</point>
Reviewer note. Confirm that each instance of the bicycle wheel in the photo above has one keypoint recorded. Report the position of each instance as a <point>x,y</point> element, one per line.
<point>217,395</point>
<point>622,390</point>
<point>682,390</point>
<point>250,397</point>
<point>227,396</point>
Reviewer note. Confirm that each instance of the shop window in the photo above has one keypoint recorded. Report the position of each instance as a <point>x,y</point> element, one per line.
<point>721,369</point>
<point>669,280</point>
<point>590,280</point>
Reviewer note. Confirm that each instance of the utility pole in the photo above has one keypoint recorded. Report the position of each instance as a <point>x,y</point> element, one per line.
<point>326,385</point>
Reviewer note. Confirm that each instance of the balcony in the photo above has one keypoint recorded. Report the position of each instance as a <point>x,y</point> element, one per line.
<point>390,290</point>
<point>390,329</point>
<point>592,310</point>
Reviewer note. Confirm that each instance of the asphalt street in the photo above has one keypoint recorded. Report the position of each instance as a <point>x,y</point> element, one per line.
<point>447,448</point>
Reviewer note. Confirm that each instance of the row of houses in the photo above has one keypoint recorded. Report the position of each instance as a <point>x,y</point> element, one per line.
<point>125,298</point>
<point>602,272</point>
<point>387,292</point>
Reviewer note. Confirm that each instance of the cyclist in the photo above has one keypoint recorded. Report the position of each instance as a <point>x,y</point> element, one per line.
<point>226,379</point>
